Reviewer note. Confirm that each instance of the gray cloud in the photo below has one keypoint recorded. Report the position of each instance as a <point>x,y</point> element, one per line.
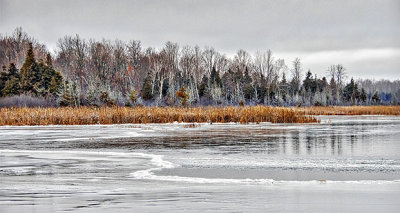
<point>285,26</point>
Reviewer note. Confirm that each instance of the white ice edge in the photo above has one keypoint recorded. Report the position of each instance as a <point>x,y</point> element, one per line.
<point>160,163</point>
<point>137,154</point>
<point>148,174</point>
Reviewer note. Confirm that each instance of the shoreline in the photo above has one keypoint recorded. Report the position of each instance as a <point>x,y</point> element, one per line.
<point>192,115</point>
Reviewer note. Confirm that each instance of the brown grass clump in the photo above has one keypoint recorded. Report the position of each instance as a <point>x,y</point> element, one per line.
<point>351,110</point>
<point>142,115</point>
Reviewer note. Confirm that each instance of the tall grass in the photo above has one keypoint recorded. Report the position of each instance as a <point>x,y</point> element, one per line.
<point>351,110</point>
<point>121,115</point>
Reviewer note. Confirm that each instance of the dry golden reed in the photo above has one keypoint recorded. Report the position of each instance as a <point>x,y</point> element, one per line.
<point>351,110</point>
<point>142,115</point>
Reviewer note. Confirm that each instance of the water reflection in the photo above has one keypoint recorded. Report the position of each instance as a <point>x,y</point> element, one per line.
<point>336,139</point>
<point>271,142</point>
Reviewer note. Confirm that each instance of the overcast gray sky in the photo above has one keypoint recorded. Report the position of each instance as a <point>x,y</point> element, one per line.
<point>363,35</point>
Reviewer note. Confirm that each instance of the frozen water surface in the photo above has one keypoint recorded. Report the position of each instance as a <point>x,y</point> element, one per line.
<point>343,164</point>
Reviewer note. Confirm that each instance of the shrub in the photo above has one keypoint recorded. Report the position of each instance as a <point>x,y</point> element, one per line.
<point>181,94</point>
<point>27,101</point>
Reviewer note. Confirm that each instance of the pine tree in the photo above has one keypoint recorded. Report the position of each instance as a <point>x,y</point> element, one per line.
<point>11,87</point>
<point>363,95</point>
<point>50,81</point>
<point>29,72</point>
<point>56,84</point>
<point>375,98</point>
<point>294,87</point>
<point>283,87</point>
<point>333,91</point>
<point>322,84</point>
<point>248,91</point>
<point>13,71</point>
<point>308,81</point>
<point>41,87</point>
<point>5,76</point>
<point>3,79</point>
<point>355,96</point>
<point>11,81</point>
<point>49,60</point>
<point>349,92</point>
<point>203,87</point>
<point>165,87</point>
<point>147,89</point>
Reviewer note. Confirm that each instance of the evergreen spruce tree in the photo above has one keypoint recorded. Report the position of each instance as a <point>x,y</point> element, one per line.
<point>248,91</point>
<point>203,87</point>
<point>11,87</point>
<point>283,88</point>
<point>49,60</point>
<point>44,79</point>
<point>165,87</point>
<point>375,98</point>
<point>50,80</point>
<point>294,87</point>
<point>55,84</point>
<point>333,91</point>
<point>308,81</point>
<point>355,96</point>
<point>29,72</point>
<point>3,79</point>
<point>48,73</point>
<point>65,98</point>
<point>322,84</point>
<point>351,93</point>
<point>363,96</point>
<point>11,81</point>
<point>11,74</point>
<point>12,71</point>
<point>348,91</point>
<point>147,88</point>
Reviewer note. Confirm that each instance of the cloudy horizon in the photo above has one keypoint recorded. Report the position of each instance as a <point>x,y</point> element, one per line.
<point>363,35</point>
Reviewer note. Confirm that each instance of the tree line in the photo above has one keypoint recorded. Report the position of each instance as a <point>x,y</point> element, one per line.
<point>37,78</point>
<point>95,73</point>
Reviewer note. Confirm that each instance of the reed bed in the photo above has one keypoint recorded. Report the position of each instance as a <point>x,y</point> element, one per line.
<point>143,115</point>
<point>351,110</point>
